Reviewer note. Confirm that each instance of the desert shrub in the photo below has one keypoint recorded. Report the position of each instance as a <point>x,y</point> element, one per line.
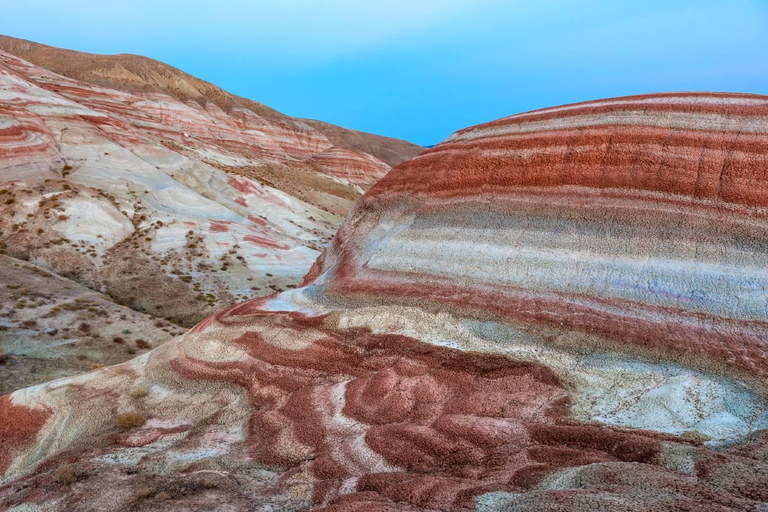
<point>118,339</point>
<point>65,476</point>
<point>144,492</point>
<point>129,420</point>
<point>139,391</point>
<point>142,344</point>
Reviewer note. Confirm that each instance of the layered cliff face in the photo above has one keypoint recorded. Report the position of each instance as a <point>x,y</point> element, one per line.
<point>560,310</point>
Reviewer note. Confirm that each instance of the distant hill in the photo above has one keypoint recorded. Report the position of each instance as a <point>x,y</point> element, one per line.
<point>137,74</point>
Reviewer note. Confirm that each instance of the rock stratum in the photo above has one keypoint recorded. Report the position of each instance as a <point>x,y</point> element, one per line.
<point>561,310</point>
<point>162,191</point>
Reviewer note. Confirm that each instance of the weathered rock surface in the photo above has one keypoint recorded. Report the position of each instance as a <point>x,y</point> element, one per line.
<point>561,310</point>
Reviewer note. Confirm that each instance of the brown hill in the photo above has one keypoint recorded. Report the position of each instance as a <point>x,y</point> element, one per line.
<point>138,74</point>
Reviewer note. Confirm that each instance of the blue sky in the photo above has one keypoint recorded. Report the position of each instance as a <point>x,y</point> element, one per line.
<point>421,69</point>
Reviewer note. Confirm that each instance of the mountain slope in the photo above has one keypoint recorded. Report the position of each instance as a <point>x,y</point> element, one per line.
<point>167,194</point>
<point>137,74</point>
<point>561,310</point>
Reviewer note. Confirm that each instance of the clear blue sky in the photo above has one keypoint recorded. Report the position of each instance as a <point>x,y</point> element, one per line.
<point>421,69</point>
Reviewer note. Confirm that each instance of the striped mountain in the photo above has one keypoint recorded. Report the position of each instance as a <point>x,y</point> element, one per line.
<point>560,310</point>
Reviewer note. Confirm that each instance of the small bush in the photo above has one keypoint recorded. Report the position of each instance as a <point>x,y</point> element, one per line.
<point>142,344</point>
<point>118,339</point>
<point>65,476</point>
<point>139,391</point>
<point>130,420</point>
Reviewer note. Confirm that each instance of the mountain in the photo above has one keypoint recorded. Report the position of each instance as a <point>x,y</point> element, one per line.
<point>159,191</point>
<point>142,75</point>
<point>561,310</point>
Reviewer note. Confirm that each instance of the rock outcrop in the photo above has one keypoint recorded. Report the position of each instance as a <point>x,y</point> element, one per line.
<point>561,310</point>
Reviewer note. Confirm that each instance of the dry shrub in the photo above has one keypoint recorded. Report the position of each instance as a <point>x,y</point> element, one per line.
<point>129,420</point>
<point>65,476</point>
<point>139,391</point>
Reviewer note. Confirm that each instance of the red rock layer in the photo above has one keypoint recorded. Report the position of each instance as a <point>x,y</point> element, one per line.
<point>703,146</point>
<point>648,212</point>
<point>18,429</point>
<point>360,169</point>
